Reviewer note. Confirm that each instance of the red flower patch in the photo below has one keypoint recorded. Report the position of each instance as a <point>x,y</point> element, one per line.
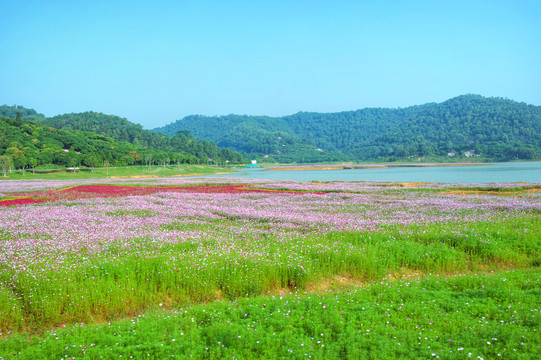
<point>94,191</point>
<point>20,201</point>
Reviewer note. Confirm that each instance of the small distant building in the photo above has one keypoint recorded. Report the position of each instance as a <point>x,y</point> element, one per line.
<point>253,164</point>
<point>451,154</point>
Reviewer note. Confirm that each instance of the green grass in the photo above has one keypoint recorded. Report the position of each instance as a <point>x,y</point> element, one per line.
<point>479,316</point>
<point>128,171</point>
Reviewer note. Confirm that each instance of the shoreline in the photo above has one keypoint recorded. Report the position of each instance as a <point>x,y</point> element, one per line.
<point>364,166</point>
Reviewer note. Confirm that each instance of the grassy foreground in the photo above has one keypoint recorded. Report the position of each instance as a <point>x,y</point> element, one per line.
<point>375,272</point>
<point>478,316</point>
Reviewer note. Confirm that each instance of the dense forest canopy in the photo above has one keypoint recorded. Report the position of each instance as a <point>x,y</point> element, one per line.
<point>465,126</point>
<point>91,138</point>
<point>468,126</point>
<point>27,144</point>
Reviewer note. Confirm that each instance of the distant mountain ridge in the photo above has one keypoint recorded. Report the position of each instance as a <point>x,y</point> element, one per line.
<point>467,126</point>
<point>464,126</point>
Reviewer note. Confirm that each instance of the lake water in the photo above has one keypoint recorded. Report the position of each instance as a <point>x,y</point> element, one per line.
<point>493,173</point>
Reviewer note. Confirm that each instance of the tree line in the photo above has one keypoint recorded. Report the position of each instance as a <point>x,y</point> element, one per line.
<point>28,144</point>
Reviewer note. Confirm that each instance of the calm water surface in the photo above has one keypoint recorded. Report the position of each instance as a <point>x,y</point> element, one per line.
<point>494,173</point>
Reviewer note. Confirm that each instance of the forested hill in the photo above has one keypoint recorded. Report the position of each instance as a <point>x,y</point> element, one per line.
<point>26,144</point>
<point>26,114</point>
<point>182,147</point>
<point>465,126</point>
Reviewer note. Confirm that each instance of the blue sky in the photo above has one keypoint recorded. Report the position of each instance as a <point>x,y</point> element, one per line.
<point>154,62</point>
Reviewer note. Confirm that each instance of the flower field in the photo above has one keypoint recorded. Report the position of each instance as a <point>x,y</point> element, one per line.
<point>219,268</point>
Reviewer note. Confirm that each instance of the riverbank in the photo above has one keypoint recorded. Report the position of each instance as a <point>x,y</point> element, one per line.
<point>364,166</point>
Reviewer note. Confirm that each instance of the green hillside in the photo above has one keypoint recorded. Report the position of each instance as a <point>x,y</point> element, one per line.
<point>468,126</point>
<point>25,144</point>
<point>76,130</point>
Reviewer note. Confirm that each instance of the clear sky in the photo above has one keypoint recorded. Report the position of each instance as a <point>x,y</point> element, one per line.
<point>154,62</point>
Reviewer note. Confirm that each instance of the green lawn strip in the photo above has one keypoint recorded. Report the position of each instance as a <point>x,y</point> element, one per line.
<point>128,171</point>
<point>484,316</point>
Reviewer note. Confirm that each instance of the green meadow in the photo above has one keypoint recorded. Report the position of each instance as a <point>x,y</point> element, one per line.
<point>424,275</point>
<point>154,171</point>
<point>447,317</point>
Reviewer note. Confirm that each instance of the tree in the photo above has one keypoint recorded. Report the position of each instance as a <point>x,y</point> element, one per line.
<point>17,156</point>
<point>91,160</point>
<point>18,120</point>
<point>5,163</point>
<point>148,159</point>
<point>33,162</point>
